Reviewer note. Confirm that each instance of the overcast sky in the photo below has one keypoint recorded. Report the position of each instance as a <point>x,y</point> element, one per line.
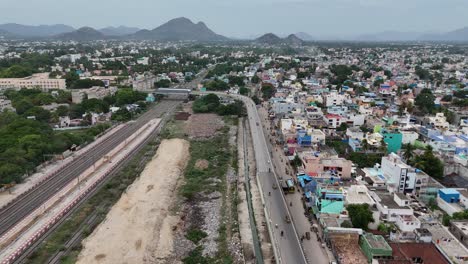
<point>237,18</point>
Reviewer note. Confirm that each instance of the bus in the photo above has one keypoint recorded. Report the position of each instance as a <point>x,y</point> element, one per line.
<point>290,184</point>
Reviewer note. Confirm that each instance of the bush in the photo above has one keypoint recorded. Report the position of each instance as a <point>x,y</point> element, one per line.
<point>196,235</point>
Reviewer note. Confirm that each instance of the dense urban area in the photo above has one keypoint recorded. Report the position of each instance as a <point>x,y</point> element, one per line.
<point>273,150</point>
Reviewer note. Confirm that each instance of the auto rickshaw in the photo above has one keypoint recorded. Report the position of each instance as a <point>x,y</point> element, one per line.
<point>275,186</point>
<point>287,219</point>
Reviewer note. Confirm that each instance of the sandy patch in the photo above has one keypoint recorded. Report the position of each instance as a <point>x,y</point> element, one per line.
<point>202,164</point>
<point>139,229</point>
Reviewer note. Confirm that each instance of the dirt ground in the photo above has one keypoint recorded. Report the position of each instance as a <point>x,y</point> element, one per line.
<point>203,125</point>
<point>139,228</point>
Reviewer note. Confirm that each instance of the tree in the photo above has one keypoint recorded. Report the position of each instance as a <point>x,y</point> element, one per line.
<point>346,224</point>
<point>425,101</point>
<point>267,91</point>
<point>255,79</point>
<point>342,127</point>
<point>408,151</point>
<point>71,77</point>
<point>164,83</point>
<point>360,215</point>
<point>244,91</point>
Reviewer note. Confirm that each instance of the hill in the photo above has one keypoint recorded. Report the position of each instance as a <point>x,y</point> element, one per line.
<point>36,31</point>
<point>273,39</point>
<point>269,38</point>
<point>293,40</point>
<point>460,35</point>
<point>179,29</point>
<point>118,31</point>
<point>304,36</point>
<point>82,34</point>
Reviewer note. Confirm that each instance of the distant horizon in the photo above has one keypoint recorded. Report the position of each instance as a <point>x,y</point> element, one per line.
<point>242,18</point>
<point>254,35</point>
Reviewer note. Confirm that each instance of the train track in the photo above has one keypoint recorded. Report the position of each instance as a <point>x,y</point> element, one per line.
<point>18,209</point>
<point>92,218</point>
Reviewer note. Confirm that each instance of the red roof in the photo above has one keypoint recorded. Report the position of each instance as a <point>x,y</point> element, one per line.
<point>333,116</point>
<point>404,252</point>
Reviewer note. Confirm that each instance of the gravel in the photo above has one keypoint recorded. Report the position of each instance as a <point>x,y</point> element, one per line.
<point>212,219</point>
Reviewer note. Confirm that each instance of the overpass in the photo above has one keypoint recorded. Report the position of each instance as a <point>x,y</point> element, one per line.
<point>174,93</point>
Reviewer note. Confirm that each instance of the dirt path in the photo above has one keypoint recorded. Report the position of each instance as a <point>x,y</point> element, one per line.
<point>138,229</point>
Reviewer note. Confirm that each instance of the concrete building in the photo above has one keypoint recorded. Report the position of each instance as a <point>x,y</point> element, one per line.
<point>143,82</point>
<point>375,247</point>
<point>334,98</point>
<point>449,201</point>
<point>37,81</point>
<point>460,230</point>
<point>318,166</point>
<point>388,208</point>
<point>91,93</point>
<point>5,104</point>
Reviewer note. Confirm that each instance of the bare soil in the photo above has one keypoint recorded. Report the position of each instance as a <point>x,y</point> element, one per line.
<point>140,228</point>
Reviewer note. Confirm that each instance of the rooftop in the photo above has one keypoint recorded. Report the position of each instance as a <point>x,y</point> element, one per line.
<point>447,242</point>
<point>407,252</point>
<point>462,226</point>
<point>449,191</point>
<point>376,241</point>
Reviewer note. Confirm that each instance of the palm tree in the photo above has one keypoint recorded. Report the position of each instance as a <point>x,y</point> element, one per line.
<point>408,152</point>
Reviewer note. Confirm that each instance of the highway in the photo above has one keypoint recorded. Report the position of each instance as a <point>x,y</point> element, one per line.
<point>14,212</point>
<point>287,247</point>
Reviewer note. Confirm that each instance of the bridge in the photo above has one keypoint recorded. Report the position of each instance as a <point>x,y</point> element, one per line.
<point>174,93</point>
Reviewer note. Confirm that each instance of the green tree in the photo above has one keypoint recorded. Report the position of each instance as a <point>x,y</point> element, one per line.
<point>255,79</point>
<point>360,215</point>
<point>164,83</point>
<point>244,91</point>
<point>425,101</point>
<point>267,91</point>
<point>408,151</point>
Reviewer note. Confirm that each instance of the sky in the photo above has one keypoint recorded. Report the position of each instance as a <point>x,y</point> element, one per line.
<point>243,18</point>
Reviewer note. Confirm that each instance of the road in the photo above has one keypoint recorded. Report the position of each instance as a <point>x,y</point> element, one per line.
<point>27,202</point>
<point>287,247</point>
<point>312,248</point>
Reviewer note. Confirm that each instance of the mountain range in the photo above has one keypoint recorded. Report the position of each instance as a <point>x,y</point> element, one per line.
<point>179,29</point>
<point>183,29</point>
<point>273,39</point>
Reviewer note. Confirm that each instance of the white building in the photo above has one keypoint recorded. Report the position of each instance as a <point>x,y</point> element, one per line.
<point>5,104</point>
<point>401,176</point>
<point>439,121</point>
<point>388,208</point>
<point>334,98</point>
<point>409,137</point>
<point>143,82</point>
<point>37,81</point>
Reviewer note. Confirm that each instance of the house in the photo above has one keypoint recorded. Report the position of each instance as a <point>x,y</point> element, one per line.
<point>334,121</point>
<point>317,165</point>
<point>375,247</point>
<point>459,229</point>
<point>393,139</point>
<point>354,133</point>
<point>410,252</point>
<point>389,209</point>
<point>329,200</point>
<point>335,98</point>
<point>449,201</point>
<point>438,121</point>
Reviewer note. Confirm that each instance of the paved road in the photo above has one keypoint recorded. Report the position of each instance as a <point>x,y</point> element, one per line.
<point>288,246</point>
<point>24,204</point>
<point>312,248</point>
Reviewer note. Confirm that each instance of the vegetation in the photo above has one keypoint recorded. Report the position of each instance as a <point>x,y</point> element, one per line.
<point>425,101</point>
<point>85,83</point>
<point>216,85</point>
<point>164,83</point>
<point>195,235</point>
<point>360,215</point>
<point>211,104</point>
<point>267,91</point>
<point>427,162</point>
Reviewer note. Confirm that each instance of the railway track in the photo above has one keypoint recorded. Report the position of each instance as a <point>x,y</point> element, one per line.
<point>19,208</point>
<point>92,218</point>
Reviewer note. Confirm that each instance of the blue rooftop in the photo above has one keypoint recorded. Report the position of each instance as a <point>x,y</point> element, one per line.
<point>449,191</point>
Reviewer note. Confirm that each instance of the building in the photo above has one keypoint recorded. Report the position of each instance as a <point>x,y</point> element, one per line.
<point>92,93</point>
<point>389,208</point>
<point>408,253</point>
<point>393,139</point>
<point>334,121</point>
<point>328,200</point>
<point>460,230</point>
<point>5,104</point>
<point>401,177</point>
<point>321,165</point>
<point>375,247</point>
<point>37,81</point>
<point>438,121</point>
<point>143,82</point>
<point>334,98</point>
<point>449,201</point>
